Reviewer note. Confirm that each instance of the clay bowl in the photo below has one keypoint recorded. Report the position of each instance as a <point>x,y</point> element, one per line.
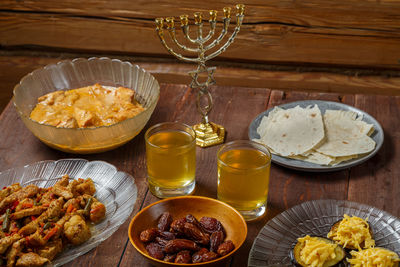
<point>233,222</point>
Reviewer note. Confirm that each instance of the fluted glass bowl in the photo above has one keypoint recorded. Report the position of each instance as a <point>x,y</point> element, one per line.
<point>80,72</point>
<point>116,189</point>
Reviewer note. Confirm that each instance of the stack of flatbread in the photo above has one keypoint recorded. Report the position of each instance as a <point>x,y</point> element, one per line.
<point>306,134</point>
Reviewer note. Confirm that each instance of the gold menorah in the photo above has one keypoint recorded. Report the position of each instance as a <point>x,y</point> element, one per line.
<point>207,133</point>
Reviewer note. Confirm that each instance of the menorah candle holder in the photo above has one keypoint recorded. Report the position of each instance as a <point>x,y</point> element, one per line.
<point>207,133</point>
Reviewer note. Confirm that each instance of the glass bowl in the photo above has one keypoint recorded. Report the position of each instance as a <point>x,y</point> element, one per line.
<point>116,189</point>
<point>80,72</point>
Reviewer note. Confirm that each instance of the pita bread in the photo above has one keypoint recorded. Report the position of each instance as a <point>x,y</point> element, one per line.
<point>291,132</point>
<point>315,157</point>
<point>343,135</point>
<point>321,159</point>
<point>346,134</point>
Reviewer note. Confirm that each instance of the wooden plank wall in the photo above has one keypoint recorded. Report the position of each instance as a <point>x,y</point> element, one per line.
<point>343,45</point>
<point>360,33</point>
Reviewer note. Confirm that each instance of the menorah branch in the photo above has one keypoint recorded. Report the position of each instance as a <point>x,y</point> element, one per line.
<point>161,36</point>
<point>185,29</point>
<point>213,22</point>
<point>183,47</point>
<point>221,36</point>
<point>230,40</point>
<point>199,24</point>
<point>211,32</point>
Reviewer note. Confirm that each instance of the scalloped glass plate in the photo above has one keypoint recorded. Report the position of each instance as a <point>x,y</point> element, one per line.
<point>117,190</point>
<point>275,240</point>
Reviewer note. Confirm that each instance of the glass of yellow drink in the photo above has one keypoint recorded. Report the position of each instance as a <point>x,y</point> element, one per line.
<point>243,177</point>
<point>171,159</point>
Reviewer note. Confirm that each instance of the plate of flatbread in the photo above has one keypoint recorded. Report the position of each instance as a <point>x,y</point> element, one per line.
<point>317,136</point>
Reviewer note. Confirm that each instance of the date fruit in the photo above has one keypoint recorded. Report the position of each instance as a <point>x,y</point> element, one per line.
<point>176,245</point>
<point>167,235</point>
<point>148,235</point>
<point>183,257</point>
<point>178,226</point>
<point>203,255</point>
<point>155,251</point>
<point>216,239</point>
<point>194,232</point>
<point>165,221</point>
<point>170,258</point>
<point>191,219</point>
<point>211,225</point>
<point>186,239</point>
<point>209,256</point>
<point>161,241</point>
<point>225,248</point>
<point>198,256</point>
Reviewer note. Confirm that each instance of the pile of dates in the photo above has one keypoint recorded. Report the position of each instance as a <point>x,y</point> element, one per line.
<point>186,240</point>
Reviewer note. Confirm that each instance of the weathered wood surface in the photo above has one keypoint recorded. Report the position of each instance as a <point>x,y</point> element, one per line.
<point>375,182</point>
<point>347,33</point>
<point>14,67</point>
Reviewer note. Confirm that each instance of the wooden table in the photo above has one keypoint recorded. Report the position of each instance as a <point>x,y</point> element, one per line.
<point>375,182</point>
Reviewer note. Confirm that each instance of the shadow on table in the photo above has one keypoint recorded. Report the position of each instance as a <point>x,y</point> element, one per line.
<point>383,160</point>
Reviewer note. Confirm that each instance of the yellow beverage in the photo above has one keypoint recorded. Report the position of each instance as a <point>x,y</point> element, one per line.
<point>171,162</point>
<point>243,179</point>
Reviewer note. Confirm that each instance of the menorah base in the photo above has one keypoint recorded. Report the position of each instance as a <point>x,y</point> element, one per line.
<point>209,134</point>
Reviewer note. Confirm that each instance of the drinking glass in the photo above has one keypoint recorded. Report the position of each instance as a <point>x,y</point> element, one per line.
<point>171,159</point>
<point>243,177</point>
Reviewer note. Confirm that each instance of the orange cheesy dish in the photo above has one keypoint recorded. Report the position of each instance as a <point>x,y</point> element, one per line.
<point>86,107</point>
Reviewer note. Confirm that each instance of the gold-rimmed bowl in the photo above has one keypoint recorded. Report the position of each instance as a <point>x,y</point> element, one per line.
<point>232,221</point>
<point>81,72</point>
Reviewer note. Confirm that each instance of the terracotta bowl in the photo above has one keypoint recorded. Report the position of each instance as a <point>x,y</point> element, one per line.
<point>233,222</point>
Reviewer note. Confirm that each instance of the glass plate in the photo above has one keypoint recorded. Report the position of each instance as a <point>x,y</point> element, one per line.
<point>377,136</point>
<point>115,189</point>
<point>275,240</point>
